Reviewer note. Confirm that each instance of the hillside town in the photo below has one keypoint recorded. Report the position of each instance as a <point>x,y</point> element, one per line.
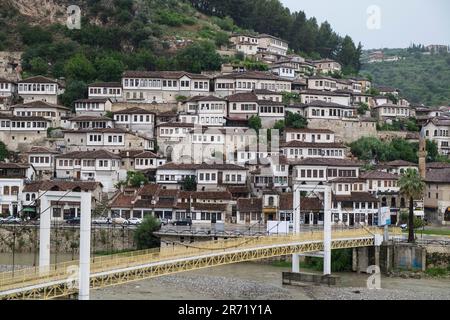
<point>192,142</point>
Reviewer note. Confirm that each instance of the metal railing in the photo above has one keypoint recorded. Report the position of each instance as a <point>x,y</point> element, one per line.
<point>56,272</point>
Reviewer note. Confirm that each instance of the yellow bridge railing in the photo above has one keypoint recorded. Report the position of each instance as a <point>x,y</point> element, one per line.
<point>56,272</point>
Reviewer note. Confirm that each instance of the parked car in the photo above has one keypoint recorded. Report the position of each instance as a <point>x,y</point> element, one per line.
<point>10,220</point>
<point>118,220</point>
<point>183,222</point>
<point>74,220</point>
<point>102,220</point>
<point>133,221</point>
<point>165,221</point>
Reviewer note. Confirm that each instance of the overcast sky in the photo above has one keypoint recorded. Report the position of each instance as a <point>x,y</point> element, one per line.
<point>400,22</point>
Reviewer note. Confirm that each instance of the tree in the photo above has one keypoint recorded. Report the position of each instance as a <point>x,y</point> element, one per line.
<point>189,184</point>
<point>144,237</point>
<point>80,68</point>
<point>296,121</point>
<point>363,108</point>
<point>38,66</point>
<point>136,179</point>
<point>198,57</point>
<point>4,153</point>
<point>109,69</point>
<point>255,123</point>
<point>412,186</point>
<point>74,90</point>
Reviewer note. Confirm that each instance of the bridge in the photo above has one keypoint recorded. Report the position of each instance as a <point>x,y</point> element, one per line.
<point>60,280</point>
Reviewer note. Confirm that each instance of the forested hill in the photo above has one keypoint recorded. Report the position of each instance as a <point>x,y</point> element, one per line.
<point>421,78</point>
<point>304,34</point>
<point>117,35</point>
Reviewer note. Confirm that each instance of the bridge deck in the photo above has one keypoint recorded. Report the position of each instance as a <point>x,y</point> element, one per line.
<point>58,280</point>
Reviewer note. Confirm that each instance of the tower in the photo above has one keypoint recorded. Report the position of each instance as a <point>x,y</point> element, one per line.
<point>422,154</point>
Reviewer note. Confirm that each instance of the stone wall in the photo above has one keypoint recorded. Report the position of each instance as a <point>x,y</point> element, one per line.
<point>66,239</point>
<point>346,131</point>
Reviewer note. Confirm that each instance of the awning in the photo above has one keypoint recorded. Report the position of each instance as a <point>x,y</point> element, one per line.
<point>32,210</point>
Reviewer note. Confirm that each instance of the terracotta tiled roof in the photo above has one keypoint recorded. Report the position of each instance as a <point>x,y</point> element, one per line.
<point>302,144</point>
<point>39,104</point>
<point>327,162</point>
<point>41,150</point>
<point>61,186</point>
<point>308,130</point>
<point>106,84</point>
<point>38,79</point>
<point>324,93</point>
<point>9,165</point>
<point>163,74</point>
<point>98,154</point>
<point>243,97</point>
<point>134,110</point>
<point>209,207</point>
<point>249,205</point>
<point>90,118</point>
<point>376,175</point>
<point>205,166</point>
<point>325,104</point>
<point>204,98</point>
<point>252,75</point>
<point>438,176</point>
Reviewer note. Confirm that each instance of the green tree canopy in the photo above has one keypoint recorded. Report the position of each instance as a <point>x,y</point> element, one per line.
<point>199,57</point>
<point>296,121</point>
<point>136,179</point>
<point>3,151</point>
<point>189,184</point>
<point>80,68</point>
<point>144,235</point>
<point>255,123</point>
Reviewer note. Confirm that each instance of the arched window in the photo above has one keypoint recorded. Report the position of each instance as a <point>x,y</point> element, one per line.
<point>33,196</point>
<point>393,203</point>
<point>402,203</point>
<point>384,202</point>
<point>27,197</point>
<point>271,202</point>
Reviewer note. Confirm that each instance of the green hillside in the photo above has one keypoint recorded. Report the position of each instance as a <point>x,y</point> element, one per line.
<point>421,78</point>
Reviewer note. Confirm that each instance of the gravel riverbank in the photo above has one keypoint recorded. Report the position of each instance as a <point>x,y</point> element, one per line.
<point>263,282</point>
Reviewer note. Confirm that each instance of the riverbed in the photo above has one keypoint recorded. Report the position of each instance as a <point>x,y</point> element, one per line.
<point>263,282</point>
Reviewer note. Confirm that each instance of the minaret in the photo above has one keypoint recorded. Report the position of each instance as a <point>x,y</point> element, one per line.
<point>422,154</point>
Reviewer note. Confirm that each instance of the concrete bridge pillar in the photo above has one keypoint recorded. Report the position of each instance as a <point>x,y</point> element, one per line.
<point>44,234</point>
<point>296,263</point>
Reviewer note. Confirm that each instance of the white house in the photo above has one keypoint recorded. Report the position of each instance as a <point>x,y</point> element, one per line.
<point>7,88</point>
<point>310,95</point>
<point>136,120</point>
<point>49,111</point>
<point>17,131</point>
<point>100,166</point>
<point>43,161</point>
<point>273,44</point>
<point>311,143</point>
<point>242,82</point>
<point>205,110</point>
<point>327,66</point>
<point>93,107</point>
<point>39,89</point>
<point>12,180</point>
<point>106,90</point>
<point>437,129</point>
<point>322,83</point>
<point>111,139</point>
<point>392,111</point>
<point>162,86</point>
<point>327,110</point>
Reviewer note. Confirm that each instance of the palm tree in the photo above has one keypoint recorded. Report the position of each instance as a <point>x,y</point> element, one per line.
<point>412,186</point>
